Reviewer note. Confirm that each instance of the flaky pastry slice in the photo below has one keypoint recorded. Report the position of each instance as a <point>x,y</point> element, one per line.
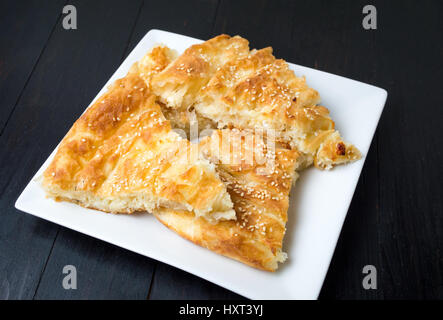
<point>255,91</point>
<point>178,85</point>
<point>313,134</point>
<point>260,91</point>
<point>230,86</point>
<point>259,180</point>
<point>122,156</point>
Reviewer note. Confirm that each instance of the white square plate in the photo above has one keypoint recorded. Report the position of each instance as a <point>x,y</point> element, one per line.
<point>318,207</point>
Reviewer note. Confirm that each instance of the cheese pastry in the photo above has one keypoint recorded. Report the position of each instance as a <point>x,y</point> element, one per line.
<point>249,90</point>
<point>122,156</point>
<point>255,91</point>
<point>259,180</point>
<point>178,85</point>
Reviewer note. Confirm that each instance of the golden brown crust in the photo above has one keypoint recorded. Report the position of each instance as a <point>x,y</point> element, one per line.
<point>178,85</point>
<point>257,86</point>
<point>261,91</point>
<point>260,193</point>
<point>122,155</point>
<point>154,62</point>
<point>234,87</point>
<point>333,151</point>
<point>314,134</point>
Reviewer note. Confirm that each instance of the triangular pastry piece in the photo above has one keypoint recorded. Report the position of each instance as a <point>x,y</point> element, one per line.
<point>250,90</point>
<point>254,91</point>
<point>178,85</point>
<point>260,91</point>
<point>122,156</point>
<point>313,134</point>
<point>259,180</point>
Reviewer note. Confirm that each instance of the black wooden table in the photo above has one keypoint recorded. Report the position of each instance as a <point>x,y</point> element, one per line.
<point>48,75</point>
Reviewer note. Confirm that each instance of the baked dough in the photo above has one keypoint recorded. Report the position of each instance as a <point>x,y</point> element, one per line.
<point>228,193</point>
<point>178,85</point>
<point>255,91</point>
<point>259,187</point>
<point>230,86</point>
<point>313,134</point>
<point>122,156</point>
<point>260,91</point>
